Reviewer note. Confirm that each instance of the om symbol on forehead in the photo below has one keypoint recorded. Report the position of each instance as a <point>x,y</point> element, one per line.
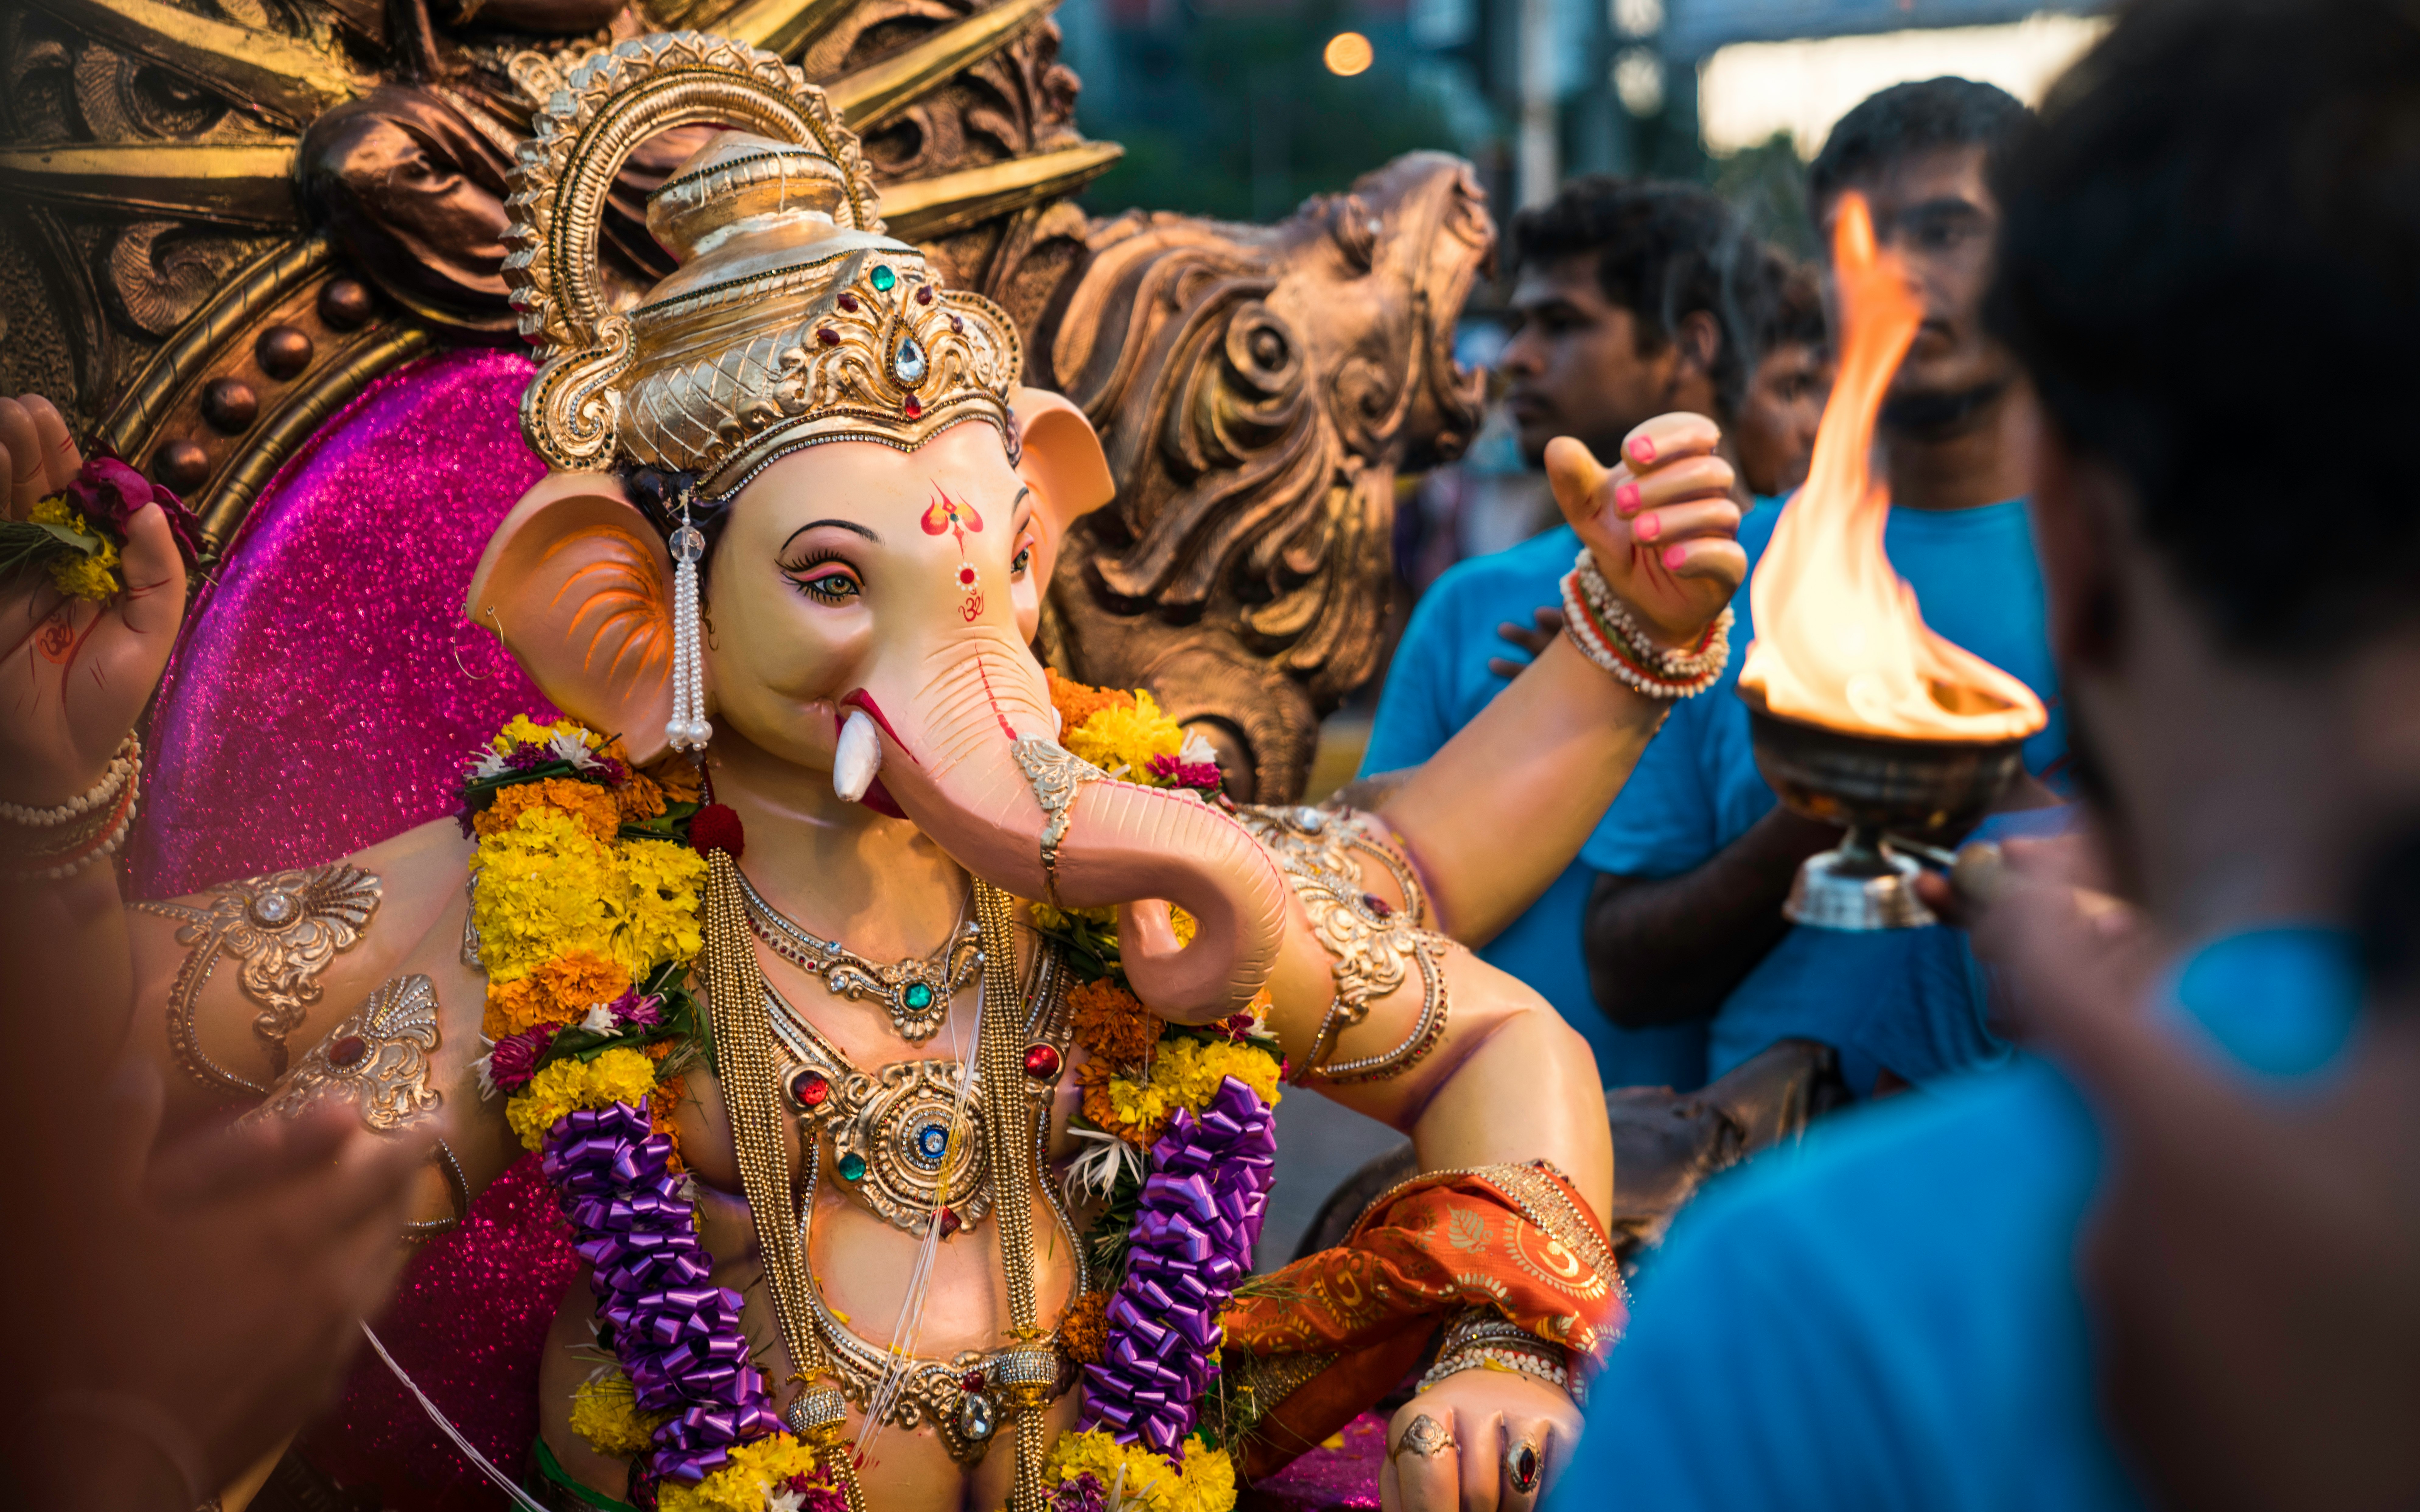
<point>958,517</point>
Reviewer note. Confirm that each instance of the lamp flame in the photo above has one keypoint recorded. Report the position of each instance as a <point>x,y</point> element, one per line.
<point>1840,641</point>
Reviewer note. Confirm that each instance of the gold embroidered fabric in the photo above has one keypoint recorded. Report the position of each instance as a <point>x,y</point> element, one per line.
<point>1371,942</point>
<point>285,928</point>
<point>377,1057</point>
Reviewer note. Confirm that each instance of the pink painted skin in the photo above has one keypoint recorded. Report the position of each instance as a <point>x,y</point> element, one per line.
<point>1625,500</point>
<point>1674,556</point>
<point>1642,449</point>
<point>1647,527</point>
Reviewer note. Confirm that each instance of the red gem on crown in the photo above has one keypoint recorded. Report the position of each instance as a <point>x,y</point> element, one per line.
<point>910,408</point>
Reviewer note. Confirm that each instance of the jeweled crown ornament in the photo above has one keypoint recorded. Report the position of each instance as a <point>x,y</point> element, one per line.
<point>791,320</point>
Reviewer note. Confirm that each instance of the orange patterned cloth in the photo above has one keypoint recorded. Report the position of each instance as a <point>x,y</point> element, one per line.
<point>1514,1238</point>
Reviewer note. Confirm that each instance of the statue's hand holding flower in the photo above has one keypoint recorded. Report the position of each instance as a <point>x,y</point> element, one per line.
<point>1662,524</point>
<point>79,668</point>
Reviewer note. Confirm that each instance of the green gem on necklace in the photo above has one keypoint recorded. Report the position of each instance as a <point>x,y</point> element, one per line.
<point>883,279</point>
<point>918,996</point>
<point>852,1166</point>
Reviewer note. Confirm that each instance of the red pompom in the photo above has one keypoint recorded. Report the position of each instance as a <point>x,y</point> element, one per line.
<point>716,827</point>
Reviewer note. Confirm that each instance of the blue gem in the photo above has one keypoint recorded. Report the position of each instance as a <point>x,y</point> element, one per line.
<point>917,997</point>
<point>933,1142</point>
<point>883,278</point>
<point>908,364</point>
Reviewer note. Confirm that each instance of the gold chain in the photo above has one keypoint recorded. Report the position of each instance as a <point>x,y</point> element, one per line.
<point>743,1047</point>
<point>1000,1057</point>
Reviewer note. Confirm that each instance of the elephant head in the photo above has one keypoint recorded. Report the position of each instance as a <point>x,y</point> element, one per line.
<point>871,611</point>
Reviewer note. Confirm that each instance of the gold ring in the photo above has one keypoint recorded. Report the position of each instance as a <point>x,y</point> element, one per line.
<point>1426,1438</point>
<point>1522,1465</point>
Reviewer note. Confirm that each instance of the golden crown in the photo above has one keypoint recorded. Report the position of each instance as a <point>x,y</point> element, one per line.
<point>791,320</point>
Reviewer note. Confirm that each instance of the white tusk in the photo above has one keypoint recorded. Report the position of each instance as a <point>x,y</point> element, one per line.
<point>856,756</point>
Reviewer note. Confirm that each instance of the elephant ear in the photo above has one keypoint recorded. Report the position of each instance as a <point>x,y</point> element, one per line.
<point>1062,462</point>
<point>578,588</point>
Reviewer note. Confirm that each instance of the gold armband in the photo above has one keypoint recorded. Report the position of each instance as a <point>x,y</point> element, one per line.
<point>285,927</point>
<point>1318,851</point>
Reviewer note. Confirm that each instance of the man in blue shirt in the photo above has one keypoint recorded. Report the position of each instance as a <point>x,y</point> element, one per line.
<point>1630,297</point>
<point>1698,857</point>
<point>1891,1317</point>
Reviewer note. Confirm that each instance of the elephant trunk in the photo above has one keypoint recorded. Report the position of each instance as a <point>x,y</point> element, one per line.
<point>949,763</point>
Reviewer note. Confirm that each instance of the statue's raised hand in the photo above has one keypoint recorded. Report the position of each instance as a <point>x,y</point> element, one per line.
<point>1662,524</point>
<point>76,672</point>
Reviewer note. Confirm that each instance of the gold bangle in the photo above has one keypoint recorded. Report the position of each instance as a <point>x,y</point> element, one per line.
<point>1056,774</point>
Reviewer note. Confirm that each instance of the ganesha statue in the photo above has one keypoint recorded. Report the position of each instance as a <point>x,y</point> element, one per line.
<point>897,1025</point>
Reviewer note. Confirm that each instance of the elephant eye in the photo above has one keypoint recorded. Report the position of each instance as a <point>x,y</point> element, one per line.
<point>1024,559</point>
<point>826,580</point>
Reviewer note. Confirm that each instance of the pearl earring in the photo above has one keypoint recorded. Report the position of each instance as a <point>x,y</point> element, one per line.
<point>687,730</point>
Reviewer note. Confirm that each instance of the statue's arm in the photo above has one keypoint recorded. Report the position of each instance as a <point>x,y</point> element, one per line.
<point>1498,813</point>
<point>389,918</point>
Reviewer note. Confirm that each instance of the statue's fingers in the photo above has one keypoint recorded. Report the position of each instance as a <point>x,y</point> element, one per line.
<point>1713,558</point>
<point>23,442</point>
<point>154,602</point>
<point>1521,1463</point>
<point>61,462</point>
<point>1692,477</point>
<point>1432,1482</point>
<point>1717,517</point>
<point>1668,439</point>
<point>1481,1454</point>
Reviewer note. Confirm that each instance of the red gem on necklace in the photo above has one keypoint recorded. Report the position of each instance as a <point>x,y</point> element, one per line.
<point>949,1222</point>
<point>971,1381</point>
<point>808,1089</point>
<point>911,407</point>
<point>1377,905</point>
<point>347,1050</point>
<point>1040,1061</point>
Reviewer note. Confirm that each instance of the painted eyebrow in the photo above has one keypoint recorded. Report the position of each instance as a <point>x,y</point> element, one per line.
<point>842,524</point>
<point>1022,495</point>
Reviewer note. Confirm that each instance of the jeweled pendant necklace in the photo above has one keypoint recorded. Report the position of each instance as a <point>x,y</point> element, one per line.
<point>915,992</point>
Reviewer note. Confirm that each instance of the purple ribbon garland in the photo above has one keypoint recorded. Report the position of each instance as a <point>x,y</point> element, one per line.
<point>1190,1244</point>
<point>679,1338</point>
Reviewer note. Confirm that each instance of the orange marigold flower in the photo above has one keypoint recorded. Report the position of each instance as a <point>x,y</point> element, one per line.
<point>640,798</point>
<point>559,992</point>
<point>591,805</point>
<point>1102,1109</point>
<point>677,776</point>
<point>660,1106</point>
<point>1113,1024</point>
<point>1084,1328</point>
<point>1077,703</point>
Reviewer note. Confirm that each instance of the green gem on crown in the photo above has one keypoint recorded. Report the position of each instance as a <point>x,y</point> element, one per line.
<point>852,1168</point>
<point>883,279</point>
<point>917,997</point>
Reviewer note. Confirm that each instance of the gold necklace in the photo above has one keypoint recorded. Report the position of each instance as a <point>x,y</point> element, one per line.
<point>915,992</point>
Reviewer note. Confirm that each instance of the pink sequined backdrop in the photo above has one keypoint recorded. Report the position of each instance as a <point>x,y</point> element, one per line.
<point>323,699</point>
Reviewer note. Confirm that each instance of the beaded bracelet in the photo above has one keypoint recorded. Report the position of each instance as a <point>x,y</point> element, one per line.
<point>1600,625</point>
<point>100,794</point>
<point>1481,1340</point>
<point>96,822</point>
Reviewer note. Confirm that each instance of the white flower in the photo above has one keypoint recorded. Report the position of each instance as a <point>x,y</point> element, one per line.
<point>783,1501</point>
<point>600,1019</point>
<point>485,1068</point>
<point>1094,1171</point>
<point>489,765</point>
<point>1196,750</point>
<point>569,746</point>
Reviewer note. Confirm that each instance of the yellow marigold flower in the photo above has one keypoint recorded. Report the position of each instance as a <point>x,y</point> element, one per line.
<point>619,1076</point>
<point>1182,923</point>
<point>524,730</point>
<point>1191,1070</point>
<point>74,574</point>
<point>665,901</point>
<point>1077,703</point>
<point>559,992</point>
<point>593,806</point>
<point>547,887</point>
<point>746,1482</point>
<point>1205,1484</point>
<point>1118,738</point>
<point>606,1413</point>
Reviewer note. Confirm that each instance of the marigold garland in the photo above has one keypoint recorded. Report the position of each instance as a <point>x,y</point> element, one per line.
<point>558,992</point>
<point>1111,1024</point>
<point>1205,1482</point>
<point>605,1411</point>
<point>561,1086</point>
<point>757,1474</point>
